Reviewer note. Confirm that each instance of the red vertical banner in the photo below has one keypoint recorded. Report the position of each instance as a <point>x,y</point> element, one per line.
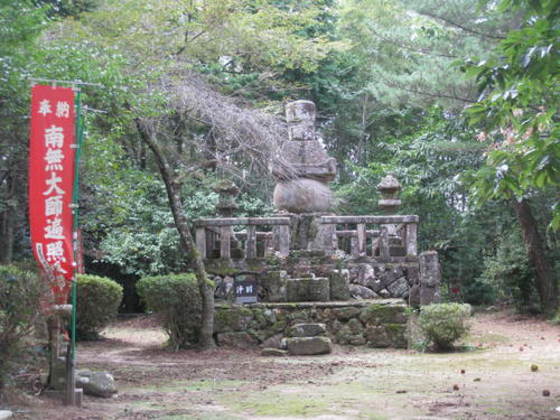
<point>51,178</point>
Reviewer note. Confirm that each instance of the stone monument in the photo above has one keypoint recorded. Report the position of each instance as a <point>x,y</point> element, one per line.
<point>305,189</point>
<point>302,188</point>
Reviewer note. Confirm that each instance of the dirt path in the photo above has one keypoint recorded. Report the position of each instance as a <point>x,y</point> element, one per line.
<point>362,383</point>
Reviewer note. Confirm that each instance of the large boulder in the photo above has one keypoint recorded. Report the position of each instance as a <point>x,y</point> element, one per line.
<point>98,384</point>
<point>307,346</point>
<point>306,330</point>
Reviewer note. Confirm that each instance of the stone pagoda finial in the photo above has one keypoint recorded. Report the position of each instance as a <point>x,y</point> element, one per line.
<point>306,189</point>
<point>389,187</point>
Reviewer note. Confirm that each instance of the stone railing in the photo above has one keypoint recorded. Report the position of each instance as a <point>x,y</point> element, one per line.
<point>216,238</point>
<point>375,236</point>
<point>379,237</point>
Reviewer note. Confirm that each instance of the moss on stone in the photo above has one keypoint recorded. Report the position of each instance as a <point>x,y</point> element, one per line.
<point>233,318</point>
<point>378,314</point>
<point>396,334</point>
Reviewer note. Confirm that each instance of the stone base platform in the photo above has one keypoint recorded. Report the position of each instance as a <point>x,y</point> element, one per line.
<point>375,323</point>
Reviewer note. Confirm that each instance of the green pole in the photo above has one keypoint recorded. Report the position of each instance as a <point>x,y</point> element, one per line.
<point>75,210</point>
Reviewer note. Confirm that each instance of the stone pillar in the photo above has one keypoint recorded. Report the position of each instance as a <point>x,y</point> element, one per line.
<point>389,203</point>
<point>430,278</point>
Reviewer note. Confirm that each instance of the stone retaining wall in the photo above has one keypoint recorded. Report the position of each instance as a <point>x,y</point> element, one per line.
<point>375,323</point>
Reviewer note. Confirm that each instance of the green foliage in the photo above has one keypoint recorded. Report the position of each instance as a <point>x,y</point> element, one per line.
<point>508,272</point>
<point>98,303</point>
<point>20,295</point>
<point>176,300</point>
<point>518,106</point>
<point>444,323</point>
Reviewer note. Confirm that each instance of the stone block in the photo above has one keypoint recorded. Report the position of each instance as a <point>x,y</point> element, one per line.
<point>272,286</point>
<point>242,340</point>
<point>430,277</point>
<point>376,336</point>
<point>339,282</point>
<point>388,335</point>
<point>274,341</point>
<point>361,292</point>
<point>399,288</point>
<point>377,314</point>
<point>344,314</point>
<point>232,318</point>
<point>306,330</point>
<point>97,384</point>
<point>356,327</point>
<point>308,289</point>
<point>343,335</point>
<point>307,346</point>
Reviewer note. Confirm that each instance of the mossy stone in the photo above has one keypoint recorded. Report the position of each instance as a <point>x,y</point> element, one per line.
<point>378,314</point>
<point>234,318</point>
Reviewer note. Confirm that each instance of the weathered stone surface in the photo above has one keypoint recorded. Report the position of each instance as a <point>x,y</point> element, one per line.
<point>344,314</point>
<point>232,318</point>
<point>357,340</point>
<point>399,288</point>
<point>98,384</point>
<point>388,335</point>
<point>272,351</point>
<point>361,292</point>
<point>343,335</point>
<point>272,286</point>
<point>303,195</point>
<point>376,336</point>
<point>274,341</point>
<point>414,296</point>
<point>306,330</point>
<point>339,281</point>
<point>356,327</point>
<point>307,346</point>
<point>397,335</point>
<point>430,277</point>
<point>377,314</point>
<point>242,340</point>
<point>362,274</point>
<point>308,289</point>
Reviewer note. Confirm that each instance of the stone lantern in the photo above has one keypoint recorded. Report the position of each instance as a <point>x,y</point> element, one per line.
<point>228,192</point>
<point>390,188</point>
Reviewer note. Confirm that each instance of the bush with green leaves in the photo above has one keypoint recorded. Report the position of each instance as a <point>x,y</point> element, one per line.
<point>20,295</point>
<point>444,323</point>
<point>175,298</point>
<point>98,300</point>
<point>508,271</point>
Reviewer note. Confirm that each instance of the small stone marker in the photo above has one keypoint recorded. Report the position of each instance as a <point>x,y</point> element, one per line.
<point>245,290</point>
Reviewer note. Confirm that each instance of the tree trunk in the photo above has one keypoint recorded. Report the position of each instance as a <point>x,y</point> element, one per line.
<point>187,241</point>
<point>7,222</point>
<point>547,286</point>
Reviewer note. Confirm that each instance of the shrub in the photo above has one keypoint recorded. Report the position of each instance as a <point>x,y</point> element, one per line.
<point>444,323</point>
<point>98,300</point>
<point>20,295</point>
<point>175,298</point>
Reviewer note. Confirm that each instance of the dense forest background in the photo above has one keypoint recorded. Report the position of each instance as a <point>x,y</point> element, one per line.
<point>458,99</point>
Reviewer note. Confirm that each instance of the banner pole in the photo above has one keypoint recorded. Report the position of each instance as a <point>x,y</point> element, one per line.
<point>75,209</point>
